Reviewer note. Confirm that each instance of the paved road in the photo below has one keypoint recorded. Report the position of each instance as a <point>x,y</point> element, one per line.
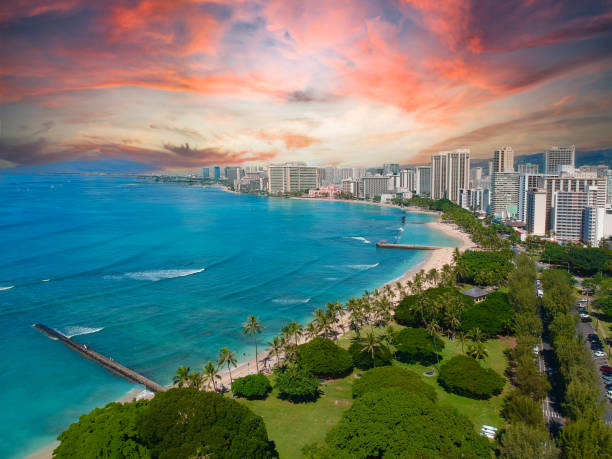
<point>585,328</point>
<point>550,406</point>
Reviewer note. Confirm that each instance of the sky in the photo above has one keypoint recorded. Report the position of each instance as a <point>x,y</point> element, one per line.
<point>185,84</point>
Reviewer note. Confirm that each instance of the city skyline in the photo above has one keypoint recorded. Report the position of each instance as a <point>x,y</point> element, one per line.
<point>182,85</point>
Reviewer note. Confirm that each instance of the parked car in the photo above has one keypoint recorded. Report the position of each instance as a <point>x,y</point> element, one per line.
<point>586,319</point>
<point>549,371</point>
<point>599,353</point>
<point>607,379</point>
<point>605,368</point>
<point>609,394</point>
<point>592,336</point>
<point>607,372</point>
<point>535,349</point>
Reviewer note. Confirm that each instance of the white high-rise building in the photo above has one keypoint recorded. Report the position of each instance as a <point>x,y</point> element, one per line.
<point>505,194</point>
<point>536,211</point>
<point>528,168</point>
<point>475,176</point>
<point>350,186</point>
<point>568,212</point>
<point>555,157</point>
<point>391,168</point>
<point>450,172</point>
<point>407,180</point>
<point>289,178</point>
<point>593,219</point>
<point>503,160</point>
<point>526,183</point>
<point>423,180</point>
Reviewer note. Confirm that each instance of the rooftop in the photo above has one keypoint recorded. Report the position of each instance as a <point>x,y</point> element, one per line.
<point>476,292</point>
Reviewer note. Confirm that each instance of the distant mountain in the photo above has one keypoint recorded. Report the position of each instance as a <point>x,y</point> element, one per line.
<point>110,166</point>
<point>583,158</point>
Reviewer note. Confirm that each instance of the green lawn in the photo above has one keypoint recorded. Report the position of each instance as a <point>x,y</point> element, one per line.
<point>291,426</point>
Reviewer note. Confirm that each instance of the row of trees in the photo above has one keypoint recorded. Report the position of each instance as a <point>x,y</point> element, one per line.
<point>526,434</point>
<point>585,435</point>
<point>584,261</point>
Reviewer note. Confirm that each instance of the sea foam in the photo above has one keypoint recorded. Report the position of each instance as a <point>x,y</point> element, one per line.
<point>291,300</point>
<point>6,288</point>
<point>362,267</point>
<point>359,238</point>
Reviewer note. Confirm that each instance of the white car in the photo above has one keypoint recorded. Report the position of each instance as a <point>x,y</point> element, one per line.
<point>609,394</point>
<point>535,349</point>
<point>599,354</point>
<point>583,315</point>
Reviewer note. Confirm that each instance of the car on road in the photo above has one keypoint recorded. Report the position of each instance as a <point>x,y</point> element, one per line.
<point>586,319</point>
<point>583,315</point>
<point>599,354</point>
<point>605,367</point>
<point>606,372</point>
<point>609,394</point>
<point>607,379</point>
<point>608,386</point>
<point>549,371</point>
<point>535,349</point>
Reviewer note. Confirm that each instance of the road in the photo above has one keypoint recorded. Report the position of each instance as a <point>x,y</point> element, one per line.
<point>550,405</point>
<point>585,328</point>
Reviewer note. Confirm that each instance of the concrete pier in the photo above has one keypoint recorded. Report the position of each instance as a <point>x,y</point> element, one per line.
<point>103,361</point>
<point>387,245</point>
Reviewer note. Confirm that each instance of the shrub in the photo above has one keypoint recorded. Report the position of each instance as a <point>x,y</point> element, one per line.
<point>252,387</point>
<point>392,377</point>
<point>464,376</point>
<point>187,422</point>
<point>363,360</point>
<point>485,268</point>
<point>488,315</point>
<point>297,385</point>
<point>393,423</point>
<point>415,345</point>
<point>323,358</point>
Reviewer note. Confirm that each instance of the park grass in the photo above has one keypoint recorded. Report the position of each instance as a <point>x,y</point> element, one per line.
<point>292,426</point>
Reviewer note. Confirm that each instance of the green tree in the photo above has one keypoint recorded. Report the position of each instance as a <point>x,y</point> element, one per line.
<point>371,345</point>
<point>276,346</point>
<point>109,432</point>
<point>181,377</point>
<point>253,327</point>
<point>227,357</point>
<point>297,384</point>
<point>324,358</point>
<point>211,374</point>
<point>585,438</point>
<point>521,441</point>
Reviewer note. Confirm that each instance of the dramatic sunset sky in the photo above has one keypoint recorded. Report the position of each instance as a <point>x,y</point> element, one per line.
<point>182,84</point>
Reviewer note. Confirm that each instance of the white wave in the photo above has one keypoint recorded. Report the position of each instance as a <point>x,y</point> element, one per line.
<point>70,332</point>
<point>401,230</point>
<point>332,278</point>
<point>156,275</point>
<point>291,300</point>
<point>6,288</point>
<point>362,267</point>
<point>143,394</point>
<point>359,238</point>
<point>45,280</point>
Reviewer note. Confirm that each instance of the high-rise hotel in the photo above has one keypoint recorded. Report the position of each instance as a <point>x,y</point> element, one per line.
<point>450,172</point>
<point>292,177</point>
<point>556,157</point>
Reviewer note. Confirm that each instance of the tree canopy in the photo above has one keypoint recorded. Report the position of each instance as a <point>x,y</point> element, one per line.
<point>433,303</point>
<point>417,345</point>
<point>489,315</point>
<point>363,360</point>
<point>394,423</point>
<point>297,384</point>
<point>324,358</point>
<point>485,268</point>
<point>252,387</point>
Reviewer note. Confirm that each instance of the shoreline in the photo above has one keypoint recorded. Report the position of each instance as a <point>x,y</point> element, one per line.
<point>433,259</point>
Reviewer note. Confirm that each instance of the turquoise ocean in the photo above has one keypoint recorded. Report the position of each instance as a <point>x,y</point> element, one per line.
<point>162,275</point>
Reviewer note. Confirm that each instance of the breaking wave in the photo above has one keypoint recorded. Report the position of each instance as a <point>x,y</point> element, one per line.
<point>8,287</point>
<point>359,238</point>
<point>70,332</point>
<point>362,267</point>
<point>156,275</point>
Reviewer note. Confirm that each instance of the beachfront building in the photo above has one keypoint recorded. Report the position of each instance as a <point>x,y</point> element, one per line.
<point>292,177</point>
<point>329,191</point>
<point>528,168</point>
<point>233,174</point>
<point>568,212</point>
<point>375,185</point>
<point>503,160</point>
<point>205,172</point>
<point>217,172</point>
<point>450,172</point>
<point>350,187</point>
<point>555,157</point>
<point>505,194</point>
<point>407,178</point>
<point>422,181</point>
<point>535,213</point>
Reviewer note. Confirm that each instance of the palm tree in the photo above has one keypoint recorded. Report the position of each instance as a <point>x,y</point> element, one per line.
<point>433,329</point>
<point>292,330</point>
<point>322,319</point>
<point>401,292</point>
<point>311,331</point>
<point>461,336</point>
<point>182,376</point>
<point>477,350</point>
<point>228,358</point>
<point>195,379</point>
<point>433,276</point>
<point>476,335</point>
<point>252,327</point>
<point>371,344</point>
<point>211,373</point>
<point>276,346</point>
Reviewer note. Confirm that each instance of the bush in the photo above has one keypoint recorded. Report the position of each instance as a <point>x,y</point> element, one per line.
<point>415,345</point>
<point>323,358</point>
<point>363,360</point>
<point>187,422</point>
<point>488,315</point>
<point>297,385</point>
<point>393,423</point>
<point>464,376</point>
<point>392,377</point>
<point>252,387</point>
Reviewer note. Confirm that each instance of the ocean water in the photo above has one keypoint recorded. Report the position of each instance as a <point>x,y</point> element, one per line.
<point>162,275</point>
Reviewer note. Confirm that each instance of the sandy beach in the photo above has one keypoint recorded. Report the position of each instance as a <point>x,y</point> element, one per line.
<point>435,259</point>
